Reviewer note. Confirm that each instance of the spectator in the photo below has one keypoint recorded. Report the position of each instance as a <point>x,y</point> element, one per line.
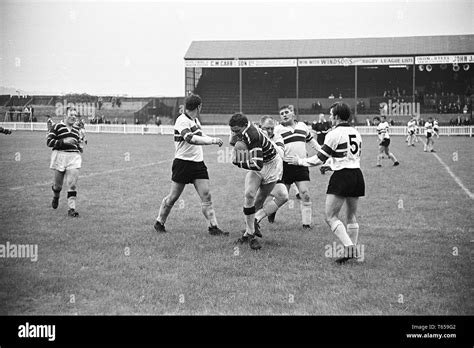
<point>124,121</point>
<point>331,96</point>
<point>136,121</point>
<point>340,95</point>
<point>100,102</point>
<point>115,120</point>
<point>158,121</point>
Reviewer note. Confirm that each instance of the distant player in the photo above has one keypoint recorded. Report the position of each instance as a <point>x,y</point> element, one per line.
<point>346,185</point>
<point>264,166</point>
<point>411,128</point>
<point>429,136</point>
<point>384,140</point>
<point>436,128</point>
<point>321,128</point>
<point>5,130</point>
<point>295,136</point>
<point>279,193</point>
<point>188,166</point>
<point>49,123</point>
<point>64,139</point>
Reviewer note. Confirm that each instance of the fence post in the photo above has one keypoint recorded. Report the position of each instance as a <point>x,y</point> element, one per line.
<point>161,129</point>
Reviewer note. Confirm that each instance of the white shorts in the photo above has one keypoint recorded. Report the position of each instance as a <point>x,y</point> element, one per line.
<point>61,160</point>
<point>272,171</point>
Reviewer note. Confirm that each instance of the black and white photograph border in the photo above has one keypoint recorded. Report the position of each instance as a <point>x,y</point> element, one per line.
<point>235,160</point>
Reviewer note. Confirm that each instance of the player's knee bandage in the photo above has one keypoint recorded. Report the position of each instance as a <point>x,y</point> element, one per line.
<point>249,211</point>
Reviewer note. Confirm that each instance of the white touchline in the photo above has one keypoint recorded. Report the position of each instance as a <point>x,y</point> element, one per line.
<point>458,181</point>
<point>45,183</point>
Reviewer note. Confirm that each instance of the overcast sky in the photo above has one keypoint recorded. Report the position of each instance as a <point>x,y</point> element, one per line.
<point>137,48</point>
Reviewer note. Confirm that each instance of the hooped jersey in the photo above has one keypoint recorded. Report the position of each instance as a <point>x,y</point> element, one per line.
<point>184,129</point>
<point>342,146</point>
<point>382,130</point>
<point>295,139</point>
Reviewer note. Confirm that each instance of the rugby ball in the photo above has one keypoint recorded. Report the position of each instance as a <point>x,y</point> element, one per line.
<point>240,146</point>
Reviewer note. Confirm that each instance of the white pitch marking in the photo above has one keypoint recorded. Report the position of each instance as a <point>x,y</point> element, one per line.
<point>45,183</point>
<point>458,181</point>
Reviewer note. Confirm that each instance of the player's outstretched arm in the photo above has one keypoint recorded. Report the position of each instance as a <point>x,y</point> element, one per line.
<point>306,162</point>
<point>205,140</point>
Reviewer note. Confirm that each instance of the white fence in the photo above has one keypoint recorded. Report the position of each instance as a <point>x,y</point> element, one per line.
<point>210,130</point>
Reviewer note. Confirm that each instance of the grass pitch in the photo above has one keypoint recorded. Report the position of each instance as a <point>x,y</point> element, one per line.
<point>415,225</point>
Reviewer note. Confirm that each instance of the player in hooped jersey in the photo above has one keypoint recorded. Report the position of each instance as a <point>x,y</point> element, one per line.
<point>343,146</point>
<point>384,140</point>
<point>295,136</point>
<point>188,166</point>
<point>65,140</point>
<point>265,167</point>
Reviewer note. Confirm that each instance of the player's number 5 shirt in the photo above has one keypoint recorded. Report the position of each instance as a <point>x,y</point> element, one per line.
<point>343,146</point>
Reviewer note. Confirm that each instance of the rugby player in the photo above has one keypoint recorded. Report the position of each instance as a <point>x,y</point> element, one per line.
<point>279,193</point>
<point>295,135</point>
<point>265,168</point>
<point>411,128</point>
<point>64,139</point>
<point>436,128</point>
<point>188,166</point>
<point>429,136</point>
<point>384,140</point>
<point>346,185</point>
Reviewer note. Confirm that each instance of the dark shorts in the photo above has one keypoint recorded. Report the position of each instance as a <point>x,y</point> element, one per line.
<point>428,135</point>
<point>185,172</point>
<point>347,183</point>
<point>293,173</point>
<point>412,132</point>
<point>385,142</point>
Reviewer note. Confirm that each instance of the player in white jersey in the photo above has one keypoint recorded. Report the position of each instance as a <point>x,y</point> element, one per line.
<point>411,129</point>
<point>295,136</point>
<point>343,146</point>
<point>429,136</point>
<point>436,128</point>
<point>279,193</point>
<point>188,166</point>
<point>384,140</point>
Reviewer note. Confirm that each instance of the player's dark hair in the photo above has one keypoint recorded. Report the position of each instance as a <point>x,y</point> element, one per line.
<point>192,102</point>
<point>377,118</point>
<point>342,110</point>
<point>238,119</point>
